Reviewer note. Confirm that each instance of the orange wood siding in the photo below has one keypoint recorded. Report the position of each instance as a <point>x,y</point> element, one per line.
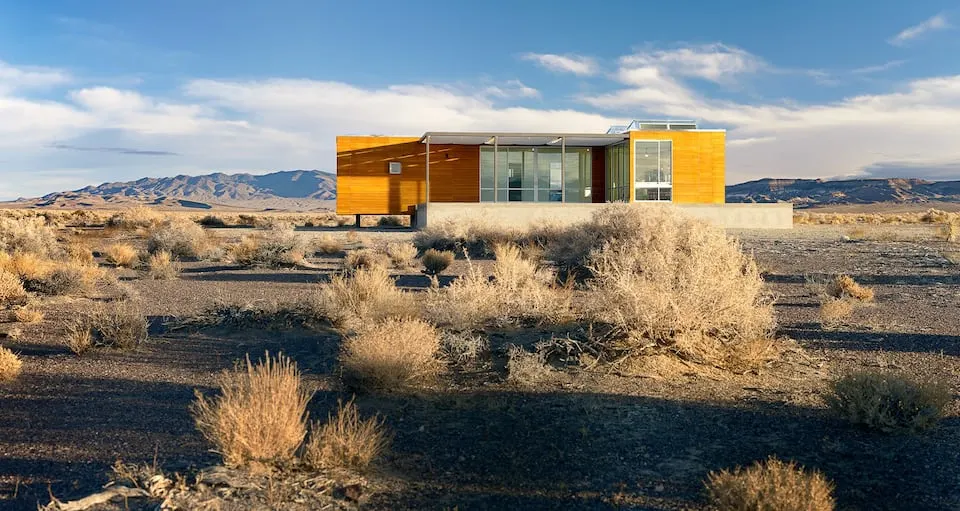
<point>365,186</point>
<point>699,164</point>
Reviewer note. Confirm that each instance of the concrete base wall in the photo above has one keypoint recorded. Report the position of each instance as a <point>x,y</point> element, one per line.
<point>525,214</point>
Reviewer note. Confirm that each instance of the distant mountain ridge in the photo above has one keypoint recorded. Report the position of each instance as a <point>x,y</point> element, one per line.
<point>816,192</point>
<point>293,189</point>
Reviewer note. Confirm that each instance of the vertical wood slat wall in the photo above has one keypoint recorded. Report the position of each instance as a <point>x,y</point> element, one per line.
<point>365,186</point>
<point>699,164</point>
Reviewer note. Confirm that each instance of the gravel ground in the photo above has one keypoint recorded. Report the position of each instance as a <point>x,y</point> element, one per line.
<point>584,440</point>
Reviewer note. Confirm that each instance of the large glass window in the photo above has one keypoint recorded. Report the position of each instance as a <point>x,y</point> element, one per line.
<point>535,174</point>
<point>653,170</point>
<point>618,173</point>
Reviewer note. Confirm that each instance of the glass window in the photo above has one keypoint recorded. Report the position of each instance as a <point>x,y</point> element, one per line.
<point>538,174</point>
<point>653,170</point>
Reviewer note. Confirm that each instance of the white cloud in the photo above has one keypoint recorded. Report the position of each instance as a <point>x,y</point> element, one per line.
<point>938,22</point>
<point>576,64</point>
<point>714,62</point>
<point>20,78</point>
<point>886,66</point>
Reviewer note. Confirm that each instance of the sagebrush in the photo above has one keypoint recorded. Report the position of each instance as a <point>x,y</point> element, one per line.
<point>346,440</point>
<point>393,354</point>
<point>771,485</point>
<point>889,402</point>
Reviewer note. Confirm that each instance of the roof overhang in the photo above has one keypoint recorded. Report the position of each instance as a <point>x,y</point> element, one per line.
<point>523,139</point>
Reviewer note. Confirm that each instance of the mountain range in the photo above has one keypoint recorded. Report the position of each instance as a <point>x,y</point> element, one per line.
<point>304,190</point>
<point>818,192</point>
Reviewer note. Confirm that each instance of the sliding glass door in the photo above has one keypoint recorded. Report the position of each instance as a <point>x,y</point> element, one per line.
<point>617,173</point>
<point>535,174</point>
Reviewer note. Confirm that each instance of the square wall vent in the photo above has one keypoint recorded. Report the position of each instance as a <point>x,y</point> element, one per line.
<point>394,167</point>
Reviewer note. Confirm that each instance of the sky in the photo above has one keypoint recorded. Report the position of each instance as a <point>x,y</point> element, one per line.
<point>99,90</point>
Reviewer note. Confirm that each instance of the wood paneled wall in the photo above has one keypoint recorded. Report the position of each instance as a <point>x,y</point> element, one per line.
<point>365,186</point>
<point>699,164</point>
<point>598,185</point>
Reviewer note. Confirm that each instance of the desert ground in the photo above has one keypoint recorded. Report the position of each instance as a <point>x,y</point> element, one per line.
<point>564,433</point>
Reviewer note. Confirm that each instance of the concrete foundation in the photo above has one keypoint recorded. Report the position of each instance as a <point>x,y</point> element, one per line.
<point>526,214</point>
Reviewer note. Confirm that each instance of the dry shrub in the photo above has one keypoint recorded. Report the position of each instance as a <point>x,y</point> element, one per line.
<point>275,247</point>
<point>950,231</point>
<point>66,279</point>
<point>401,253</point>
<point>10,365</point>
<point>435,261</point>
<point>260,416</point>
<point>529,292</point>
<point>365,297</point>
<point>675,283</point>
<point>525,367</point>
<point>181,237</point>
<point>212,221</point>
<point>80,335</point>
<point>391,221</point>
<point>477,238</point>
<point>835,311</point>
<point>161,266</point>
<point>120,324</point>
<point>29,235</point>
<point>469,302</point>
<point>392,354</point>
<point>345,440</point>
<point>328,245</point>
<point>770,486</point>
<point>12,292</point>
<point>26,315</point>
<point>889,402</point>
<point>122,254</point>
<point>80,253</point>
<point>26,266</point>
<point>134,218</point>
<point>464,348</point>
<point>843,286</point>
<point>749,355</point>
<point>365,259</point>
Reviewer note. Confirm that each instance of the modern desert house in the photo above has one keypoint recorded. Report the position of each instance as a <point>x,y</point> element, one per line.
<point>512,175</point>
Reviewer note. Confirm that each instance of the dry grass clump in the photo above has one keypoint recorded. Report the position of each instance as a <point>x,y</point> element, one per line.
<point>664,281</point>
<point>26,266</point>
<point>843,286</point>
<point>182,238</point>
<point>435,261</point>
<point>80,335</point>
<point>134,218</point>
<point>401,253</point>
<point>212,221</point>
<point>328,245</point>
<point>464,348</point>
<point>771,485</point>
<point>79,252</point>
<point>67,279</point>
<point>889,402</point>
<point>12,292</point>
<point>30,235</point>
<point>474,237</point>
<point>10,365</point>
<point>346,440</point>
<point>161,266</point>
<point>835,311</point>
<point>469,302</point>
<point>365,259</point>
<point>392,354</point>
<point>120,324</point>
<point>260,416</point>
<point>275,247</point>
<point>365,297</point>
<point>27,315</point>
<point>124,255</point>
<point>525,367</point>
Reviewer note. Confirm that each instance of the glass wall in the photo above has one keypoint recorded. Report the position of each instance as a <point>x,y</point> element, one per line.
<point>653,170</point>
<point>535,174</point>
<point>618,173</point>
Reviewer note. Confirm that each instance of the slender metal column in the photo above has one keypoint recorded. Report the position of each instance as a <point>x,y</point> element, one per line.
<point>427,201</point>
<point>563,170</point>
<point>496,158</point>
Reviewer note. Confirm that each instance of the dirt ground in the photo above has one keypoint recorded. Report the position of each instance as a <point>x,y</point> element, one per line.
<point>576,440</point>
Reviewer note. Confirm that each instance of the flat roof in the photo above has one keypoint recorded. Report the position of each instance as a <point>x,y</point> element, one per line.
<point>507,138</point>
<point>523,139</point>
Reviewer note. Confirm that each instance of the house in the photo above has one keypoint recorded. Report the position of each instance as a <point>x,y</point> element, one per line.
<point>523,177</point>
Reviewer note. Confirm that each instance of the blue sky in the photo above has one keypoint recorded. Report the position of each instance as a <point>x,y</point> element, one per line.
<point>99,91</point>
